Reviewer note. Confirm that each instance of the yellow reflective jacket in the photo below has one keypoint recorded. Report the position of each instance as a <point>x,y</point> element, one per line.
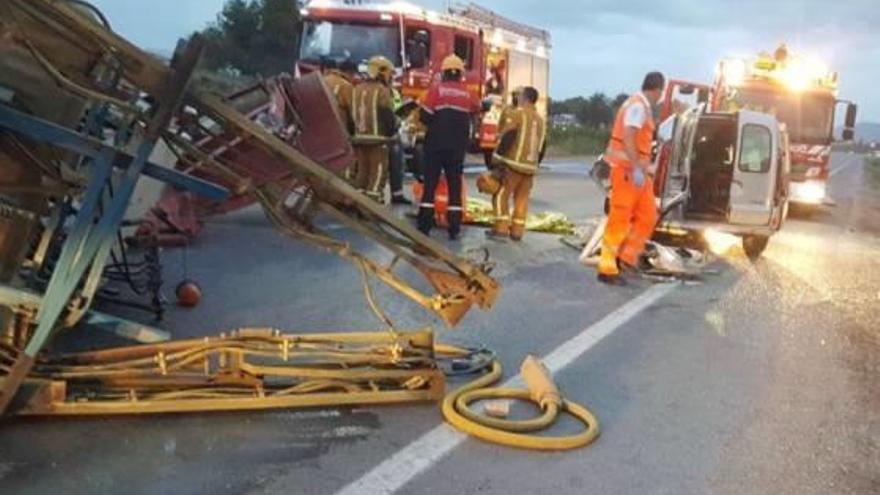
<point>372,113</point>
<point>523,137</point>
<point>342,90</point>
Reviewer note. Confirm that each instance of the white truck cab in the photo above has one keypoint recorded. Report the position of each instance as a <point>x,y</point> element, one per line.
<point>724,172</point>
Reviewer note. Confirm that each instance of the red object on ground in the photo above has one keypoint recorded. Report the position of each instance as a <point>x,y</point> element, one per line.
<point>189,294</point>
<point>441,200</point>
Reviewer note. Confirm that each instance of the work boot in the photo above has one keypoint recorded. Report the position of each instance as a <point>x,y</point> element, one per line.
<point>454,235</point>
<point>425,220</point>
<point>613,280</point>
<point>497,236</point>
<point>400,199</point>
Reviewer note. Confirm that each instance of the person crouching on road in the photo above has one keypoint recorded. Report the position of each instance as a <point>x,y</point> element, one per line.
<point>520,152</point>
<point>633,209</point>
<point>374,127</point>
<point>447,111</point>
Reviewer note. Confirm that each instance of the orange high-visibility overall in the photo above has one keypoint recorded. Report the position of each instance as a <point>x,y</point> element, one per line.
<point>633,214</point>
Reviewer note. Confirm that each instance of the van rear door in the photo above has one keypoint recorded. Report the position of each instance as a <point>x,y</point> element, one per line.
<point>677,164</point>
<point>756,170</point>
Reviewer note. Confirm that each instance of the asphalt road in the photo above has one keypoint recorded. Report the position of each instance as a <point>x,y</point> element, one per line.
<point>763,379</point>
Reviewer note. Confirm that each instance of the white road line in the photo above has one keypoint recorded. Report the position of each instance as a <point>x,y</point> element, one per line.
<point>851,161</point>
<point>417,457</point>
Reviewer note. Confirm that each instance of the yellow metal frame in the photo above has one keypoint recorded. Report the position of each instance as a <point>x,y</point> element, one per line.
<point>250,369</point>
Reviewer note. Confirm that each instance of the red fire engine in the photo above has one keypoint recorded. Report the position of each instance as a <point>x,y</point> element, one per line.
<point>500,54</point>
<point>802,94</point>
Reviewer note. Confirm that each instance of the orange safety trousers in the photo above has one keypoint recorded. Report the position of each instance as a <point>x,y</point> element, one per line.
<point>519,186</point>
<point>631,221</point>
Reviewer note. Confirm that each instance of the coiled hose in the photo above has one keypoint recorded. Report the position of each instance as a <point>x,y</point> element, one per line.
<point>515,433</point>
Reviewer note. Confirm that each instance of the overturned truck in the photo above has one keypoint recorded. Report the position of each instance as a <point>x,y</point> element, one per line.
<point>81,113</point>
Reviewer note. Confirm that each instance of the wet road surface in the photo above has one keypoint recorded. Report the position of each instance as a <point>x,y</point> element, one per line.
<point>765,378</point>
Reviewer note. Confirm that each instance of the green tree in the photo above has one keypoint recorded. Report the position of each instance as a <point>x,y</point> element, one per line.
<point>254,37</point>
<point>618,102</point>
<point>598,112</point>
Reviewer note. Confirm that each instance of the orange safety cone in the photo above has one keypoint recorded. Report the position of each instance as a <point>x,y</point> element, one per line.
<point>441,200</point>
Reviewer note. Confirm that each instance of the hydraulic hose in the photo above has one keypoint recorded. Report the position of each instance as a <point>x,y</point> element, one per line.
<point>516,433</point>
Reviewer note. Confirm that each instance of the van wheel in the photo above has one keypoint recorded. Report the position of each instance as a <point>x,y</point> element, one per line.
<point>754,245</point>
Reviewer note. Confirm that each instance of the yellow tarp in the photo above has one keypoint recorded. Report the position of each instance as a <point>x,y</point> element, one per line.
<point>480,213</point>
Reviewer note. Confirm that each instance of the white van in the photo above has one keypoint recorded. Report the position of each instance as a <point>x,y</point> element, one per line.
<point>724,172</point>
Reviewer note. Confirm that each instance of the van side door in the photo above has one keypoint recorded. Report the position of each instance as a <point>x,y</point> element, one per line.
<point>753,191</point>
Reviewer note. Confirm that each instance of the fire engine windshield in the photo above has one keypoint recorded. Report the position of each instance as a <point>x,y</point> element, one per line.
<point>809,118</point>
<point>357,42</point>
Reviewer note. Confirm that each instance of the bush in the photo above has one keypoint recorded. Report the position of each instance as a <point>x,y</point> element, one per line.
<point>577,141</point>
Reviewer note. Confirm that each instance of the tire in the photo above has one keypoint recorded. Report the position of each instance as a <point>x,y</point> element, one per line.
<point>754,245</point>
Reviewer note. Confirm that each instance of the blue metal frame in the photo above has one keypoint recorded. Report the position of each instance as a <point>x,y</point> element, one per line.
<point>90,239</point>
<point>48,132</point>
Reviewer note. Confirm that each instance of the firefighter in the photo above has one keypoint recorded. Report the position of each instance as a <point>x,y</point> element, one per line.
<point>340,85</point>
<point>521,150</point>
<point>632,213</point>
<point>447,111</point>
<point>374,127</point>
<point>490,181</point>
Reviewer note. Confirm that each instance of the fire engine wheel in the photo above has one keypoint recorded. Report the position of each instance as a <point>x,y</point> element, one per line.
<point>754,245</point>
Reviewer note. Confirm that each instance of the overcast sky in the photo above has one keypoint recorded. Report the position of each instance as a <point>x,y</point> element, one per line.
<point>607,45</point>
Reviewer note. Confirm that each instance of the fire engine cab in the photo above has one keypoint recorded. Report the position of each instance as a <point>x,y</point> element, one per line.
<point>802,94</point>
<point>500,54</point>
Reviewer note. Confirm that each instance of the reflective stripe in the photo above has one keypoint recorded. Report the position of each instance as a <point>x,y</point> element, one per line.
<point>375,112</point>
<point>522,167</point>
<point>427,205</point>
<point>498,200</point>
<point>354,107</point>
<point>379,173</point>
<point>455,208</point>
<point>524,129</point>
<point>519,221</point>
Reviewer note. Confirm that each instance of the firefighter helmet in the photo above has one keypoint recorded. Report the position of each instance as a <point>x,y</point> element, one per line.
<point>380,67</point>
<point>452,62</point>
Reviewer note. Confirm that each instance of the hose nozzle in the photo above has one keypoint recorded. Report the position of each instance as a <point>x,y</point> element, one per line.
<point>540,383</point>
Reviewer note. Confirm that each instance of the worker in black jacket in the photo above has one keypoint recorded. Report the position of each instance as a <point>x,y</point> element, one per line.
<point>447,111</point>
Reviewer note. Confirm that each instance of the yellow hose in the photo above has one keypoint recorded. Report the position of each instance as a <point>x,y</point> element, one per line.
<point>456,409</point>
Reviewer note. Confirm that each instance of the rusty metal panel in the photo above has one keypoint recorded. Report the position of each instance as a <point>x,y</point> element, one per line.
<point>322,139</point>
